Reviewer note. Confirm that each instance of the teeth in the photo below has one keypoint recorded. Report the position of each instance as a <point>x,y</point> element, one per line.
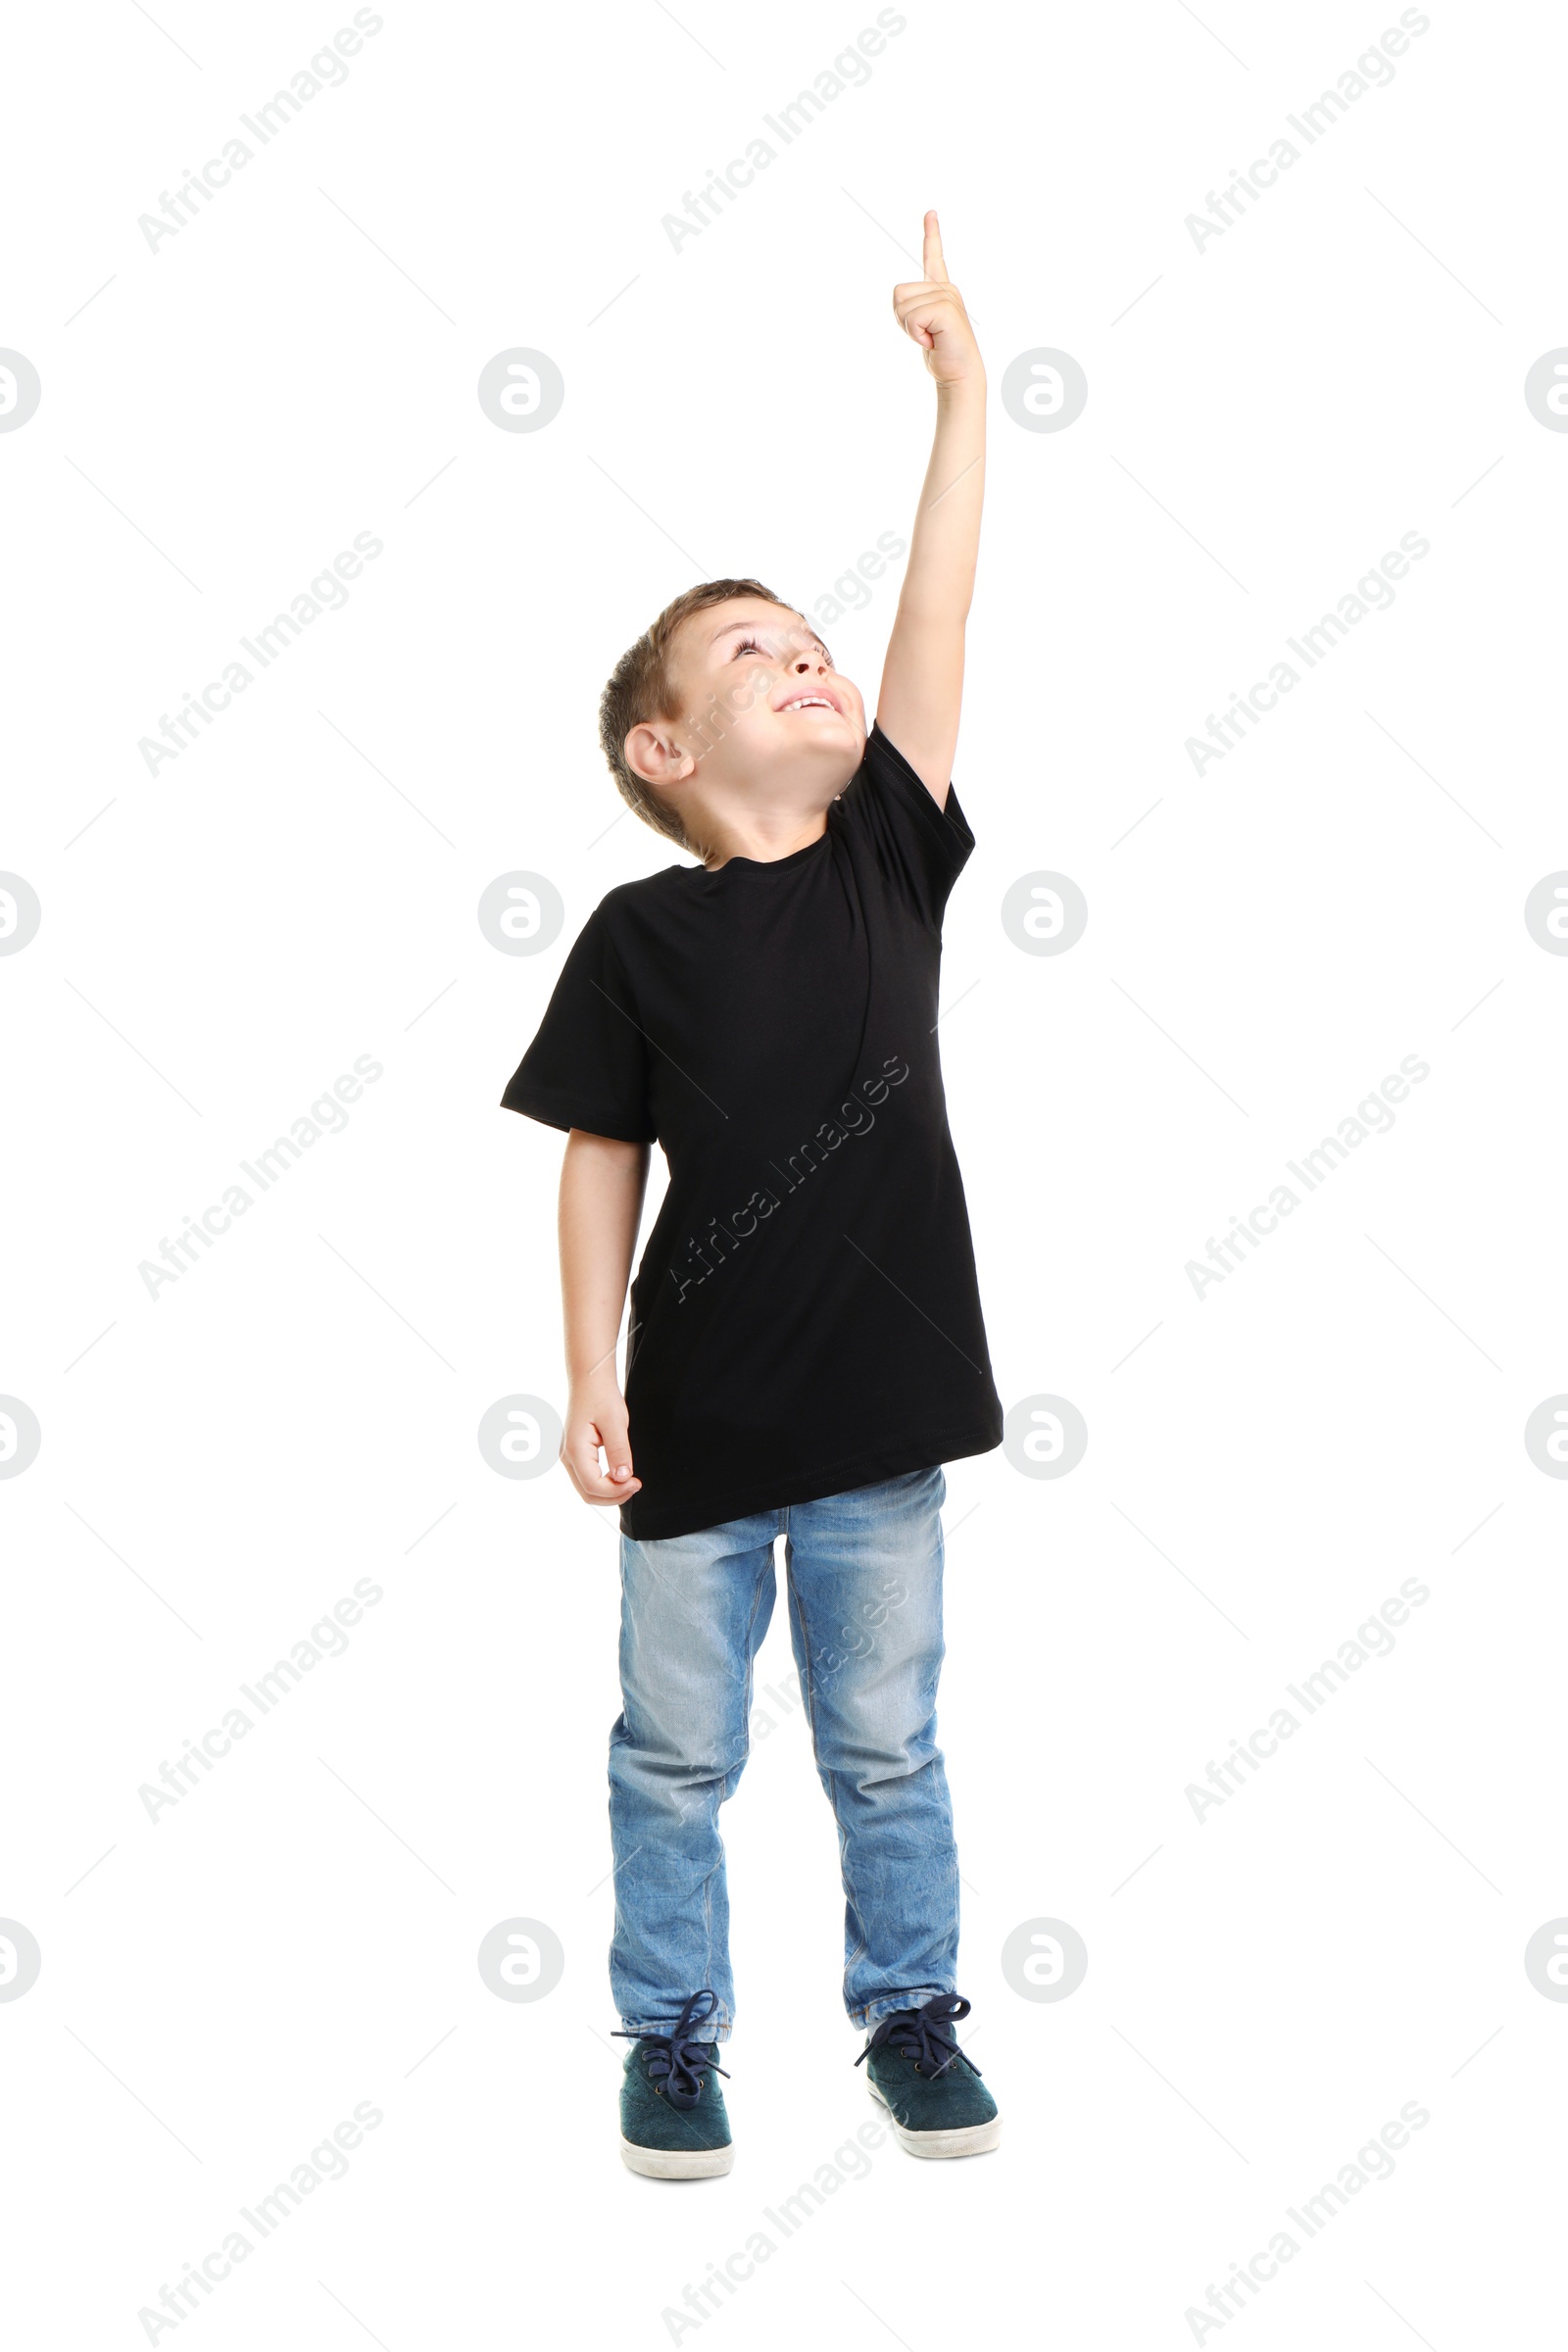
<point>810,701</point>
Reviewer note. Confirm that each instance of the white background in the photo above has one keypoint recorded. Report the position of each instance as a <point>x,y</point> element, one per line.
<point>1266,417</point>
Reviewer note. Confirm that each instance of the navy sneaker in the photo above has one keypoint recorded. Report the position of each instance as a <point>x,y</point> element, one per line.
<point>935,2099</point>
<point>672,2121</point>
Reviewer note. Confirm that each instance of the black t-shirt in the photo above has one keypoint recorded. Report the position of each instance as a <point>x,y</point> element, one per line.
<point>806,1316</point>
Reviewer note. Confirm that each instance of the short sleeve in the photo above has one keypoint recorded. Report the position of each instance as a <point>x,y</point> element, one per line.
<point>588,1065</point>
<point>921,849</point>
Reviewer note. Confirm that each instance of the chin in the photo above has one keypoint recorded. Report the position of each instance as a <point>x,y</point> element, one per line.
<point>831,738</point>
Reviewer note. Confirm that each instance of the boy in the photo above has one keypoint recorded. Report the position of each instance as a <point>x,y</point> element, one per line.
<point>805,1346</point>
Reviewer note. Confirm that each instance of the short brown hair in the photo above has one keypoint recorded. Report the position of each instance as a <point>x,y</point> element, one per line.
<point>641,688</point>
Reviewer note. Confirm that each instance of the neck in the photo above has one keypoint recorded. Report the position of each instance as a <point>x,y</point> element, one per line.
<point>764,837</point>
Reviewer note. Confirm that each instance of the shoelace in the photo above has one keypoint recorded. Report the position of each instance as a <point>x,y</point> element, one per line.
<point>919,2034</point>
<point>679,2061</point>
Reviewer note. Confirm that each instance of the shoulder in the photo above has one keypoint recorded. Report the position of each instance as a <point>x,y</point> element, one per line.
<point>895,829</point>
<point>636,925</point>
<point>886,780</point>
<point>884,758</point>
<point>631,907</point>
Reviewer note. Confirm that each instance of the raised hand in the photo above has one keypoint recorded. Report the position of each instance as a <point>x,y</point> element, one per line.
<point>931,314</point>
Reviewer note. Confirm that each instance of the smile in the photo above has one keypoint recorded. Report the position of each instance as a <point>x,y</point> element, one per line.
<point>811,701</point>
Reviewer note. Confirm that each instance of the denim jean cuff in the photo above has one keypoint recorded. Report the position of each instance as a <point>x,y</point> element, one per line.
<point>714,2028</point>
<point>872,2013</point>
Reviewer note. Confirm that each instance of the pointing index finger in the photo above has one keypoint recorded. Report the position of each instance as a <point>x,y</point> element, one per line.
<point>931,261</point>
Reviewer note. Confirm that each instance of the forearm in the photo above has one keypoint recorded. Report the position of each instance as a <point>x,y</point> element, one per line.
<point>602,1187</point>
<point>944,544</point>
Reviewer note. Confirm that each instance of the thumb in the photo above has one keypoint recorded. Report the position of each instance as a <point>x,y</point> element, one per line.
<point>617,1454</point>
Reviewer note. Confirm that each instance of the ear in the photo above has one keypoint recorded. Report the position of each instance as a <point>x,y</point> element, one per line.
<point>652,754</point>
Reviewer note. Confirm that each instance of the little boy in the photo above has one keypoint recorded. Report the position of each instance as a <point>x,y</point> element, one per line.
<point>805,1346</point>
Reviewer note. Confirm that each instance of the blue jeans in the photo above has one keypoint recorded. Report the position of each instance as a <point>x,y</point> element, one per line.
<point>863,1572</point>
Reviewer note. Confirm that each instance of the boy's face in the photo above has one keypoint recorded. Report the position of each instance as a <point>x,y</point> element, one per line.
<point>762,718</point>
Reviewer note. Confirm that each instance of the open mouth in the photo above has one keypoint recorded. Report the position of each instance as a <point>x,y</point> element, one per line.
<point>812,702</point>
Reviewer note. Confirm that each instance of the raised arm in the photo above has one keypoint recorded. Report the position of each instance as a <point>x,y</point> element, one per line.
<point>923,680</point>
<point>601,1184</point>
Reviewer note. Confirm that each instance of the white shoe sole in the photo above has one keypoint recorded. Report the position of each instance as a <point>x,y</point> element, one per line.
<point>968,2140</point>
<point>676,2164</point>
